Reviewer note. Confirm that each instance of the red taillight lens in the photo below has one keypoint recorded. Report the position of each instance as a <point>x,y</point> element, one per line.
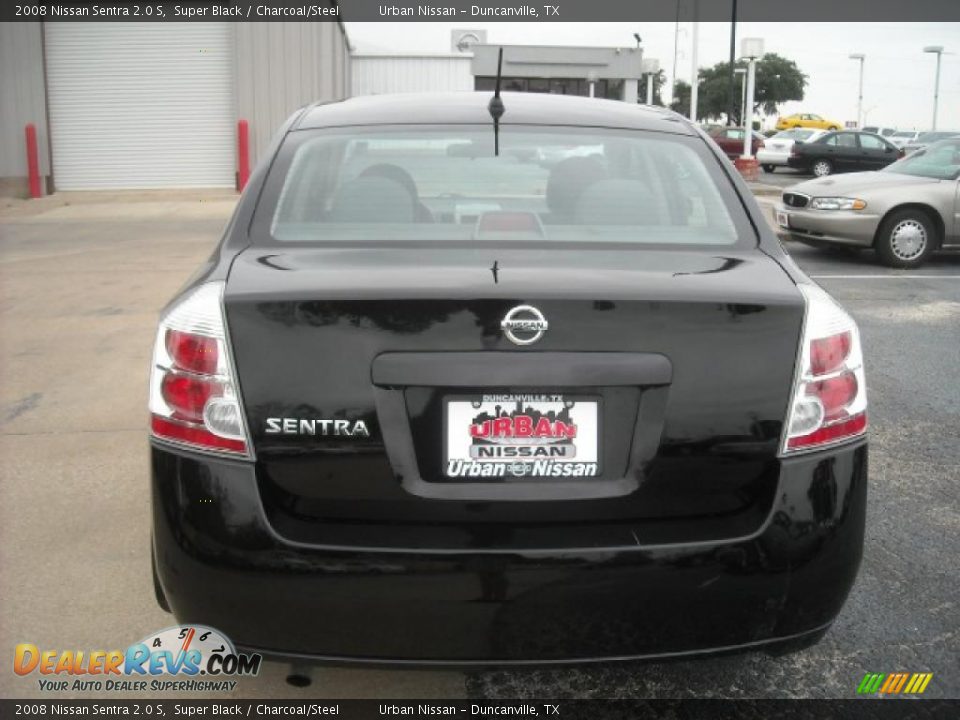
<point>192,352</point>
<point>187,396</point>
<point>835,394</point>
<point>827,354</point>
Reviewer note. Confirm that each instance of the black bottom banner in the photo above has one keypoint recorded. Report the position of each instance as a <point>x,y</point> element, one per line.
<point>888,709</point>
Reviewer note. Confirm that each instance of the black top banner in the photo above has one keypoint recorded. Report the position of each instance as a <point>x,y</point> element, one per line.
<point>854,11</point>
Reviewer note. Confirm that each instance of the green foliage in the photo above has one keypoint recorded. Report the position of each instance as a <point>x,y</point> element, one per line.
<point>777,80</point>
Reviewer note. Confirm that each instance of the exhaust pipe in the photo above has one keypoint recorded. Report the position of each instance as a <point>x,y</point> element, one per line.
<point>300,676</point>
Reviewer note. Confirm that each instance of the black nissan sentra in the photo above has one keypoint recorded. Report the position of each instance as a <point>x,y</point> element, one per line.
<point>469,386</point>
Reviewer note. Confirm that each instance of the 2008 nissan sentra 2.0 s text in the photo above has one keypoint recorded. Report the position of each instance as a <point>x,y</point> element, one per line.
<point>434,399</point>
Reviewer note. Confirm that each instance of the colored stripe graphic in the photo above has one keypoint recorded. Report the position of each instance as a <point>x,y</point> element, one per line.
<point>870,683</point>
<point>894,683</point>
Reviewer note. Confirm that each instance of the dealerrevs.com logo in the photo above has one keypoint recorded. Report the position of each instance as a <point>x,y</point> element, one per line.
<point>185,658</point>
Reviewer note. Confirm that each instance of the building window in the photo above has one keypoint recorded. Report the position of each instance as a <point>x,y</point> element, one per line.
<point>612,89</point>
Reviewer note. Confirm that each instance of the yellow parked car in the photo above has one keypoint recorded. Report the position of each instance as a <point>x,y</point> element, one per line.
<point>807,120</point>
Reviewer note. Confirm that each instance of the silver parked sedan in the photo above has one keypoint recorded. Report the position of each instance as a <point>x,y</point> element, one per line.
<point>905,211</point>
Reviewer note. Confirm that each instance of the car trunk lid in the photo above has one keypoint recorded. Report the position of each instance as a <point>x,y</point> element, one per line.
<point>688,354</point>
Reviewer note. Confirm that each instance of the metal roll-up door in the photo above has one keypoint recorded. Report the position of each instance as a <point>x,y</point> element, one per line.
<point>141,105</point>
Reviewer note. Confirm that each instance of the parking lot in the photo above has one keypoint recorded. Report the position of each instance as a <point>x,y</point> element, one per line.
<point>81,286</point>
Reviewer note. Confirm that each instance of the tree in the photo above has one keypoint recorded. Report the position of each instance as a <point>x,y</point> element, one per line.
<point>681,100</point>
<point>777,80</point>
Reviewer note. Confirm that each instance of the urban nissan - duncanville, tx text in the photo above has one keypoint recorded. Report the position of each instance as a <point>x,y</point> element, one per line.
<point>432,401</point>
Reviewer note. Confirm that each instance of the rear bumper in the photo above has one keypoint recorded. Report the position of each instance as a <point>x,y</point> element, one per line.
<point>220,563</point>
<point>771,157</point>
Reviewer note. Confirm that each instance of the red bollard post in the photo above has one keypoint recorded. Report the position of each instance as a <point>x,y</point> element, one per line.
<point>33,161</point>
<point>243,154</point>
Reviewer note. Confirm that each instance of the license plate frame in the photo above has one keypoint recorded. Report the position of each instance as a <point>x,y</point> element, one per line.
<point>555,455</point>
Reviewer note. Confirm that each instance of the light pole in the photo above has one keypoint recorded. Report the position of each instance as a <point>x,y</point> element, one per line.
<point>750,50</point>
<point>733,45</point>
<point>938,51</point>
<point>742,72</point>
<point>861,57</point>
<point>695,71</point>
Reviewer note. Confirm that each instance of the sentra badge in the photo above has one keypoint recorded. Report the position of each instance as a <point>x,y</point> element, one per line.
<point>308,426</point>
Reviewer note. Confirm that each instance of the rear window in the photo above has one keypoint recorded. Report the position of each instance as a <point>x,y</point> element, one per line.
<point>546,184</point>
<point>794,134</point>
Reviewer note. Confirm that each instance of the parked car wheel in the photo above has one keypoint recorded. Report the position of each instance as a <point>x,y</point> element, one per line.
<point>822,168</point>
<point>769,168</point>
<point>906,239</point>
<point>833,127</point>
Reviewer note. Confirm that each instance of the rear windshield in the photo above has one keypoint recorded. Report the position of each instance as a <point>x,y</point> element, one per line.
<point>545,184</point>
<point>794,134</point>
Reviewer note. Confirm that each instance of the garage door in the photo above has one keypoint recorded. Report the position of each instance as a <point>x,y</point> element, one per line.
<point>141,105</point>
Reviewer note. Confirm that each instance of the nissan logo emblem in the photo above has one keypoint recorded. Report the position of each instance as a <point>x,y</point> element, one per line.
<point>524,325</point>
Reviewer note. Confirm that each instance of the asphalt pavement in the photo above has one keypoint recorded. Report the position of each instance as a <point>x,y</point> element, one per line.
<point>81,281</point>
<point>783,177</point>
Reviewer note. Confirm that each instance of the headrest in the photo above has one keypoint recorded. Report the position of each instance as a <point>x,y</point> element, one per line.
<point>372,200</point>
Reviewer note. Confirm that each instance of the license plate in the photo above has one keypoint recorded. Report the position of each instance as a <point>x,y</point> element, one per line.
<point>783,219</point>
<point>526,435</point>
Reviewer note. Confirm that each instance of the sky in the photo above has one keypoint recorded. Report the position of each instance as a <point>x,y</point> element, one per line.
<point>898,76</point>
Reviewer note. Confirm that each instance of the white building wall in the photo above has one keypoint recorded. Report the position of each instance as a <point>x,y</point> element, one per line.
<point>22,101</point>
<point>282,66</point>
<point>378,74</point>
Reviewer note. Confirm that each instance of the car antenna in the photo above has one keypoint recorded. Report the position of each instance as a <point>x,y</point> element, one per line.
<point>496,106</point>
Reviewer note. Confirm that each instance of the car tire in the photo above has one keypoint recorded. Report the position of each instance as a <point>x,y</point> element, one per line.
<point>833,127</point>
<point>768,168</point>
<point>821,168</point>
<point>906,239</point>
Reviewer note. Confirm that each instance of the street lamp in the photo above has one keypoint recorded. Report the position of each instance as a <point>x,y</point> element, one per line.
<point>695,85</point>
<point>750,50</point>
<point>938,51</point>
<point>861,57</point>
<point>743,93</point>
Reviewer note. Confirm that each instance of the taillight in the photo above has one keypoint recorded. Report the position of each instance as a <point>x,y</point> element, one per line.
<point>829,400</point>
<point>193,391</point>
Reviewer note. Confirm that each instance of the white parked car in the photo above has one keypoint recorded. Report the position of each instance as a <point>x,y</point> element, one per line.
<point>903,137</point>
<point>879,130</point>
<point>776,149</point>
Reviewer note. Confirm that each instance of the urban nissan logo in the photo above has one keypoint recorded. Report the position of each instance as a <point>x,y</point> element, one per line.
<point>524,325</point>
